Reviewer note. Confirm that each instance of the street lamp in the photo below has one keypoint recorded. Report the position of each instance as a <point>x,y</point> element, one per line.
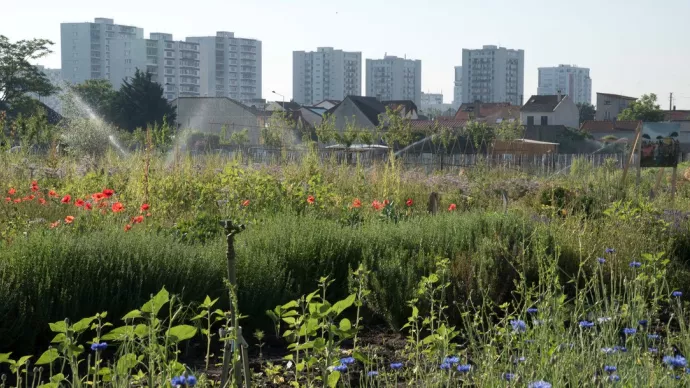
<point>274,92</point>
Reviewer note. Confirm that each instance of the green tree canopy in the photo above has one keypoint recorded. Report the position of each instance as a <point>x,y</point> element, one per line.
<point>140,102</point>
<point>587,111</point>
<point>18,77</point>
<point>645,109</point>
<point>98,95</point>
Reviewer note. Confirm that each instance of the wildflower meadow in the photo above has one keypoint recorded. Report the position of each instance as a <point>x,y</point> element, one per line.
<point>114,272</point>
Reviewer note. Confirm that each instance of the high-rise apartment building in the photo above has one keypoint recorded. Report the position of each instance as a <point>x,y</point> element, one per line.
<point>101,50</point>
<point>230,66</point>
<point>393,78</point>
<point>325,74</point>
<point>493,74</point>
<point>457,87</point>
<point>568,80</point>
<point>431,98</point>
<point>174,64</point>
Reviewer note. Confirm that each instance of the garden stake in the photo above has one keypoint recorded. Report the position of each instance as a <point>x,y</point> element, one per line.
<point>231,230</point>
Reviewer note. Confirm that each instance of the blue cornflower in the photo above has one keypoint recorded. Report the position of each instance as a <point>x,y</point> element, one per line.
<point>610,250</point>
<point>177,380</point>
<point>643,322</point>
<point>451,360</point>
<point>347,360</point>
<point>622,349</point>
<point>396,365</point>
<point>97,347</point>
<point>191,381</point>
<point>675,361</point>
<point>629,331</point>
<point>464,368</point>
<point>539,384</point>
<point>635,264</point>
<point>677,294</point>
<point>373,373</point>
<point>532,310</point>
<point>610,369</point>
<point>340,368</point>
<point>586,324</point>
<point>653,336</point>
<point>653,350</point>
<point>508,376</point>
<point>518,325</point>
<point>687,370</point>
<point>601,260</point>
<point>614,378</point>
<point>445,366</point>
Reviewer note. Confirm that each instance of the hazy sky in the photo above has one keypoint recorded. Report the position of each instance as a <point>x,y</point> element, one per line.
<point>631,46</point>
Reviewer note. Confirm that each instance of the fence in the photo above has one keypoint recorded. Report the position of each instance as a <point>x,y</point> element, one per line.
<point>545,164</point>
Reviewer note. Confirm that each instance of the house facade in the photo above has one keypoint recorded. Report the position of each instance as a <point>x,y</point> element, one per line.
<point>609,106</point>
<point>550,110</point>
<point>211,114</point>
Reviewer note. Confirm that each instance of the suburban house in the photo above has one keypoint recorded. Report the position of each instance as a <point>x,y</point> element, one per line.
<point>488,112</point>
<point>364,112</point>
<point>327,104</point>
<point>607,130</point>
<point>609,106</point>
<point>676,115</point>
<point>552,109</point>
<point>211,114</point>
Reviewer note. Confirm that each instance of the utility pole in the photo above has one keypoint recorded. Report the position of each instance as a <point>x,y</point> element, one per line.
<point>670,102</point>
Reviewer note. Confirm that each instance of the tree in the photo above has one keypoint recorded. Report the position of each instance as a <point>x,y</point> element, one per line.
<point>18,77</point>
<point>278,131</point>
<point>98,95</point>
<point>587,111</point>
<point>140,102</point>
<point>645,109</point>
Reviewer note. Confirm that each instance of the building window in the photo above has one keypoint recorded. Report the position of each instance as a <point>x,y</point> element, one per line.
<point>530,120</point>
<point>544,120</point>
<point>607,102</point>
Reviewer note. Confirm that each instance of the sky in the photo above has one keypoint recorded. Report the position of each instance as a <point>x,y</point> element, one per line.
<point>632,47</point>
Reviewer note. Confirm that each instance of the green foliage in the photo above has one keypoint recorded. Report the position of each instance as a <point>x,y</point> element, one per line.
<point>139,102</point>
<point>587,111</point>
<point>97,94</point>
<point>278,130</point>
<point>645,109</point>
<point>18,76</point>
<point>396,129</point>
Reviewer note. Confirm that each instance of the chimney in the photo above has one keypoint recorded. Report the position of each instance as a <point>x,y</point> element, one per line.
<point>559,95</point>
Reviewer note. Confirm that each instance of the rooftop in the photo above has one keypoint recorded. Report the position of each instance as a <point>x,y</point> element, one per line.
<point>545,103</point>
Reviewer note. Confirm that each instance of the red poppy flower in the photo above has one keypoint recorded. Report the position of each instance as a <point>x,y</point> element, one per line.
<point>8,199</point>
<point>52,193</point>
<point>144,207</point>
<point>108,192</point>
<point>377,205</point>
<point>69,219</point>
<point>66,199</point>
<point>34,183</point>
<point>18,200</point>
<point>98,196</point>
<point>310,199</point>
<point>386,202</point>
<point>42,201</point>
<point>34,188</point>
<point>31,197</point>
<point>55,224</point>
<point>79,202</point>
<point>409,202</point>
<point>245,203</point>
<point>357,203</point>
<point>452,207</point>
<point>88,206</point>
<point>128,227</point>
<point>138,219</point>
<point>12,191</point>
<point>118,207</point>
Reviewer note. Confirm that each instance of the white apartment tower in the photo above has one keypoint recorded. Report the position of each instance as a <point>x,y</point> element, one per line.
<point>230,66</point>
<point>457,88</point>
<point>432,98</point>
<point>493,74</point>
<point>325,74</point>
<point>568,80</point>
<point>174,64</point>
<point>101,50</point>
<point>393,78</point>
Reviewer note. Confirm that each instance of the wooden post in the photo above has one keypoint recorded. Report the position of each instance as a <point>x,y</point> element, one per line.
<point>638,134</point>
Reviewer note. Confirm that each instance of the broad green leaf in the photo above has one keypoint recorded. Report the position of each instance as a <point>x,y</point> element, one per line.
<point>119,333</point>
<point>342,305</point>
<point>48,356</point>
<point>57,378</point>
<point>4,357</point>
<point>157,302</point>
<point>272,315</point>
<point>182,332</point>
<point>333,379</point>
<point>289,320</point>
<point>126,363</point>
<point>202,314</point>
<point>208,303</point>
<point>141,330</point>
<point>132,314</point>
<point>345,324</point>
<point>82,324</point>
<point>311,296</point>
<point>289,305</point>
<point>23,360</point>
<point>361,357</point>
<point>58,327</point>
